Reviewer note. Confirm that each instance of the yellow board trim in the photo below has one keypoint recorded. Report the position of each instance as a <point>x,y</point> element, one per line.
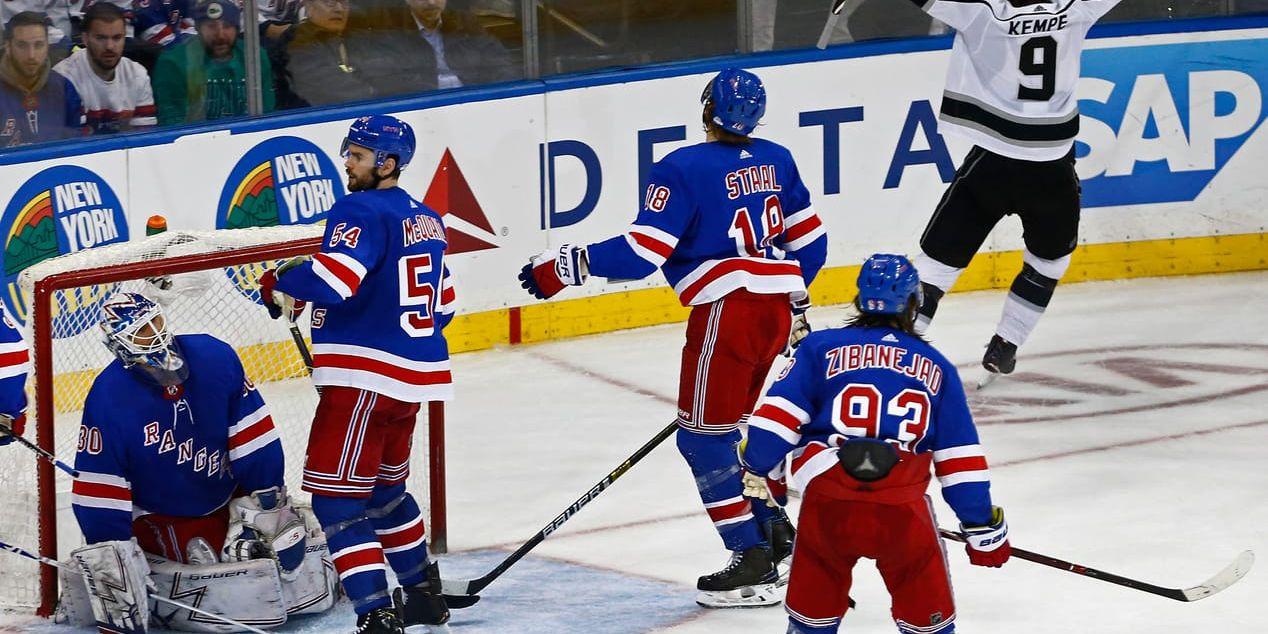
<point>649,307</point>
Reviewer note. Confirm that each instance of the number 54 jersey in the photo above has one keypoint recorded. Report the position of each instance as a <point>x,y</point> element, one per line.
<point>1013,73</point>
<point>876,383</point>
<point>381,295</point>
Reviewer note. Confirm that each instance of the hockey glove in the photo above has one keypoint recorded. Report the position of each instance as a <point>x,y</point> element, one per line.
<point>988,545</point>
<point>265,523</point>
<point>543,278</point>
<point>277,302</point>
<point>10,427</point>
<point>800,325</point>
<point>773,492</point>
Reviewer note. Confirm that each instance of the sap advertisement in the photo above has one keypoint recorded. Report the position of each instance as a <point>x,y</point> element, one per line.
<point>1172,144</point>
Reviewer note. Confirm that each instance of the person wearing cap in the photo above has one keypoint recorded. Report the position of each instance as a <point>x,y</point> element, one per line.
<point>204,78</point>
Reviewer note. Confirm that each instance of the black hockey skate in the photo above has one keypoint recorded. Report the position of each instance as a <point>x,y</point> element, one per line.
<point>780,533</point>
<point>380,621</point>
<point>423,604</point>
<point>749,580</point>
<point>1000,358</point>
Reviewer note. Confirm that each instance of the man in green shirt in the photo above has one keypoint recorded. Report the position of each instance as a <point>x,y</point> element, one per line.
<point>204,78</point>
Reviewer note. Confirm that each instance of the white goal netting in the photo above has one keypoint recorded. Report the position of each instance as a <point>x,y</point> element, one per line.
<point>218,300</point>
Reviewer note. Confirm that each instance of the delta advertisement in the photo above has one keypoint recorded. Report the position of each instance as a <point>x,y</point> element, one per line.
<point>1172,145</point>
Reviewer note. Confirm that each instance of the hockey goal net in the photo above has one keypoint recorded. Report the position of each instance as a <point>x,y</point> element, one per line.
<point>207,282</point>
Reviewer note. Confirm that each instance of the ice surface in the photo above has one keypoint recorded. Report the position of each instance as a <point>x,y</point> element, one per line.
<point>1132,440</point>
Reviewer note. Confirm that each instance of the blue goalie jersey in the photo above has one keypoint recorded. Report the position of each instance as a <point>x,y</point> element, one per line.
<point>381,295</point>
<point>877,383</point>
<point>716,218</point>
<point>145,449</point>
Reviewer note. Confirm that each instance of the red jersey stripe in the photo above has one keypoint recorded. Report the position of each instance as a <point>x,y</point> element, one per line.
<point>404,375</point>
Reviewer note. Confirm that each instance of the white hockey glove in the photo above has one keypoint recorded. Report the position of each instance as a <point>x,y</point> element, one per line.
<point>800,325</point>
<point>264,524</point>
<point>117,577</point>
<point>773,492</point>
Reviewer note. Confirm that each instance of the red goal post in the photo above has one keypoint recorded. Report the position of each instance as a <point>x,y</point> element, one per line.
<point>213,286</point>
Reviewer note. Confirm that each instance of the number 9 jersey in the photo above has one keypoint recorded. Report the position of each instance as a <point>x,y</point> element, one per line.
<point>878,383</point>
<point>381,295</point>
<point>1014,69</point>
<point>718,217</point>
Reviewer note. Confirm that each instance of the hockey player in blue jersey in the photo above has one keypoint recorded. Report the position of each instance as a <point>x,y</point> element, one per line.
<point>177,457</point>
<point>15,363</point>
<point>730,224</point>
<point>381,295</point>
<point>855,421</point>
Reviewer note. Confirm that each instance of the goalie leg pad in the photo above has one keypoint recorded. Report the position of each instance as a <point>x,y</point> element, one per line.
<point>246,591</point>
<point>115,575</point>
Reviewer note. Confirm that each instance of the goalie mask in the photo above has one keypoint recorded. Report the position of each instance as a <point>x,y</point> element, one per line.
<point>136,332</point>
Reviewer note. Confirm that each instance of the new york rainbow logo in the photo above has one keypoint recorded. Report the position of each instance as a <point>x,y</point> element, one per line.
<point>254,202</point>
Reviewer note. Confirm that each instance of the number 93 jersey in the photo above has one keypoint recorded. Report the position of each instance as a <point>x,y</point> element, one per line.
<point>877,383</point>
<point>381,295</point>
<point>1014,69</point>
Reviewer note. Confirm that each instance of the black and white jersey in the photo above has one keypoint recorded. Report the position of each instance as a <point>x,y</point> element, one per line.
<point>1014,69</point>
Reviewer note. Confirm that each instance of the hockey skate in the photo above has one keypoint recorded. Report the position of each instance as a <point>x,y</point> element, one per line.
<point>380,621</point>
<point>780,533</point>
<point>748,580</point>
<point>422,604</point>
<point>1000,358</point>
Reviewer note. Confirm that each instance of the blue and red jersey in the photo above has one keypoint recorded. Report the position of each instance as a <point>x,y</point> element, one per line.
<point>148,449</point>
<point>878,383</point>
<point>381,295</point>
<point>15,364</point>
<point>718,217</point>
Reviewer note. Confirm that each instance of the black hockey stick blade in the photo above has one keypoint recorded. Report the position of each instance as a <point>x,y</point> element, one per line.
<point>1228,576</point>
<point>458,591</point>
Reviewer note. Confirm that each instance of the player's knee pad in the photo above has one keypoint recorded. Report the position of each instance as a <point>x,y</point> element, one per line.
<point>385,499</point>
<point>336,514</point>
<point>708,450</point>
<point>1051,269</point>
<point>935,273</point>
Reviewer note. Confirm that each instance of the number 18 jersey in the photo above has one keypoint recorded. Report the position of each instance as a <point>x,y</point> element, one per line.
<point>381,294</point>
<point>1014,69</point>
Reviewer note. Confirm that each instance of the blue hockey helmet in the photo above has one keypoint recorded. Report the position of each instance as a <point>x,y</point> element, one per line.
<point>887,282</point>
<point>739,100</point>
<point>386,135</point>
<point>137,334</point>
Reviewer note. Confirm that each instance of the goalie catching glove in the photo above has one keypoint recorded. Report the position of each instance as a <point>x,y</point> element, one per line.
<point>264,525</point>
<point>118,578</point>
<point>543,278</point>
<point>988,545</point>
<point>277,302</point>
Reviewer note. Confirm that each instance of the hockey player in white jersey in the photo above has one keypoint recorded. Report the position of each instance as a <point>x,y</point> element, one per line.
<point>180,489</point>
<point>1010,90</point>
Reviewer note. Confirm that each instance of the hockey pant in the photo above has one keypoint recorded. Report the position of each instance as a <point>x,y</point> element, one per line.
<point>169,536</point>
<point>730,346</point>
<point>358,460</point>
<point>834,534</point>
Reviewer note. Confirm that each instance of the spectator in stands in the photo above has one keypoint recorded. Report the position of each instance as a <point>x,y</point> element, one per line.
<point>465,53</point>
<point>59,13</point>
<point>163,23</point>
<point>36,103</point>
<point>329,63</point>
<point>115,90</point>
<point>204,78</point>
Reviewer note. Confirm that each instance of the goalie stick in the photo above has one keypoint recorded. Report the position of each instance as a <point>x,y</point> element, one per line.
<point>17,550</point>
<point>39,451</point>
<point>462,593</point>
<point>1225,578</point>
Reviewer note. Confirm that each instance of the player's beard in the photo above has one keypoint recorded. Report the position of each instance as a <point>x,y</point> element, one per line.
<point>356,183</point>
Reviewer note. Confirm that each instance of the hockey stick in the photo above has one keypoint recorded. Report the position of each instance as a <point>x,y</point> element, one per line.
<point>39,451</point>
<point>302,347</point>
<point>462,593</point>
<point>161,599</point>
<point>1225,578</point>
<point>831,24</point>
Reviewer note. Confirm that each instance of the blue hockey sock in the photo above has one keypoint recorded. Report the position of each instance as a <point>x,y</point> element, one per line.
<point>398,522</point>
<point>720,481</point>
<point>355,550</point>
<point>798,627</point>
